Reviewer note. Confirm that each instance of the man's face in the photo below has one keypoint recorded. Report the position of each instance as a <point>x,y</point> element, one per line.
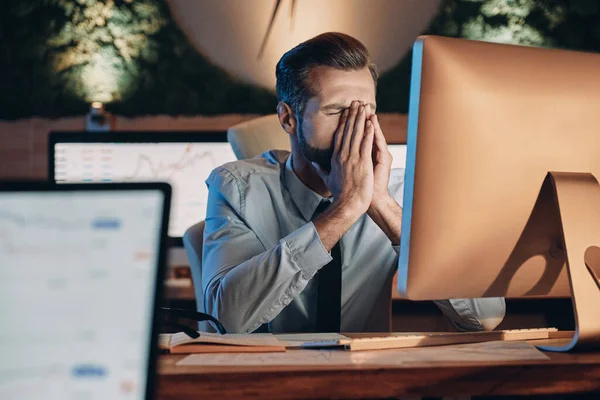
<point>335,90</point>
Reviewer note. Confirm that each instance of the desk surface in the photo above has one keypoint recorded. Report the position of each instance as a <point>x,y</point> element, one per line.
<point>563,373</point>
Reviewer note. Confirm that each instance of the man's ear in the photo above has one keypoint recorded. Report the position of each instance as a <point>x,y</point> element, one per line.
<point>287,118</point>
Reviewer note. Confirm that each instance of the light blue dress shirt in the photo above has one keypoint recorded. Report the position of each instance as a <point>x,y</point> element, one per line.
<point>261,253</point>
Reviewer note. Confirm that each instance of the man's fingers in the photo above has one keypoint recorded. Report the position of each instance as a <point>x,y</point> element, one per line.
<point>381,152</point>
<point>339,133</point>
<point>367,143</point>
<point>358,132</point>
<point>379,137</point>
<point>347,136</point>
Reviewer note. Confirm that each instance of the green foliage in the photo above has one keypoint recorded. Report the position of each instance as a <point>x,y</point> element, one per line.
<point>56,56</point>
<point>567,24</point>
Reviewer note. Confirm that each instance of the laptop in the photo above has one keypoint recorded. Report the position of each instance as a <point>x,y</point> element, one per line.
<point>81,270</point>
<point>184,159</point>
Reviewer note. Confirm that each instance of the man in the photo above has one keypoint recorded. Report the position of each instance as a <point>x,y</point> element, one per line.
<point>308,241</point>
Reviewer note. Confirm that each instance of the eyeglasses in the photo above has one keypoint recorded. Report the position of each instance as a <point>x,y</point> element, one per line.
<point>172,313</point>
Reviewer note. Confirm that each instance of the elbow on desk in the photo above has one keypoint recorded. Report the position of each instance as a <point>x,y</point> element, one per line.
<point>489,321</point>
<point>489,324</point>
<point>229,313</point>
<point>488,312</point>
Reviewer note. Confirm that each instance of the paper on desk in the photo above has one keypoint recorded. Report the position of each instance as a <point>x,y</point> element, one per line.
<point>240,339</point>
<point>476,352</point>
<point>297,339</point>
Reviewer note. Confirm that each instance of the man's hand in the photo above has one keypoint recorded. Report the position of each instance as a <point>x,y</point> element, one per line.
<point>382,165</point>
<point>360,172</point>
<point>351,179</point>
<point>384,210</point>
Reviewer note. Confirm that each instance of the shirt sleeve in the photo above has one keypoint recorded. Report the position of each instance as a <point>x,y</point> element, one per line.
<point>246,285</point>
<point>482,314</point>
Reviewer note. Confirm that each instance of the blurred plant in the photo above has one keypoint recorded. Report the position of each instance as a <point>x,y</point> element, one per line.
<point>57,56</point>
<point>100,43</point>
<point>572,24</point>
<point>569,24</point>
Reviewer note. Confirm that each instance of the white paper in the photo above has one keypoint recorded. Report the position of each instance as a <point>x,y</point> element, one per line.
<point>239,339</point>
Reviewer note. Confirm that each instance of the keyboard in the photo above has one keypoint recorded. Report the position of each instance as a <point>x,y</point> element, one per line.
<point>424,339</point>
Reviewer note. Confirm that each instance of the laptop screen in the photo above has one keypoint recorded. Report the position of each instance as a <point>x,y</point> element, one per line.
<point>78,276</point>
<point>183,159</point>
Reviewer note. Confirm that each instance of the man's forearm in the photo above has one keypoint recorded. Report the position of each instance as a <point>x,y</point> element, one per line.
<point>387,214</point>
<point>253,292</point>
<point>334,223</point>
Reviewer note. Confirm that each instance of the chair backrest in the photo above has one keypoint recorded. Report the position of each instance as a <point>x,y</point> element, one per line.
<point>192,242</point>
<point>252,138</point>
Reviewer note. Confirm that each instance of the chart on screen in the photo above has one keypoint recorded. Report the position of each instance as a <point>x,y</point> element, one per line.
<point>77,276</point>
<point>184,165</point>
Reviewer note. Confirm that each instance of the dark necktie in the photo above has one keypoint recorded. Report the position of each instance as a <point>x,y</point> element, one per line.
<point>329,287</point>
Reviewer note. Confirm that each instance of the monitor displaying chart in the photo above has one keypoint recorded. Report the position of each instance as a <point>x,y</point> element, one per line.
<point>182,159</point>
<point>78,277</point>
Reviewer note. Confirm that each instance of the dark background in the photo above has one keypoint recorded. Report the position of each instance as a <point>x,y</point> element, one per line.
<point>46,46</point>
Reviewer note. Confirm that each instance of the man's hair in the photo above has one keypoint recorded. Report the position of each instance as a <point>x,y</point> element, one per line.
<point>332,49</point>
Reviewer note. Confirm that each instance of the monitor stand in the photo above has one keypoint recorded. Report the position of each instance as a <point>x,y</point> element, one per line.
<point>576,199</point>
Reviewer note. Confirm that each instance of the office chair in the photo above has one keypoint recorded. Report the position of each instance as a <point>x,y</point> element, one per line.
<point>252,138</point>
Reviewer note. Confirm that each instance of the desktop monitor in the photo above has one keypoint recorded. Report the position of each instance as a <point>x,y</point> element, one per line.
<point>81,269</point>
<point>487,124</point>
<point>183,159</point>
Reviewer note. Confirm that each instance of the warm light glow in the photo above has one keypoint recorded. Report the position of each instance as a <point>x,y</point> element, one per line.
<point>97,46</point>
<point>230,32</point>
<point>97,105</point>
<point>101,79</point>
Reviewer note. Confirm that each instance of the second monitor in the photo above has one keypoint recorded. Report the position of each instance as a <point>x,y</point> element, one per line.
<point>183,159</point>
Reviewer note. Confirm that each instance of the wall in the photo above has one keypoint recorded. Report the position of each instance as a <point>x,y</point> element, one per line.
<point>24,143</point>
<point>230,32</point>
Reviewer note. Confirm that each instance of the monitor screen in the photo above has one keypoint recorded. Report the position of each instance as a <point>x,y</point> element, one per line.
<point>77,290</point>
<point>182,159</point>
<point>399,154</point>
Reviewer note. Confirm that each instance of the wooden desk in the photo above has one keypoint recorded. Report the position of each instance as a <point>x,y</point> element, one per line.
<point>563,373</point>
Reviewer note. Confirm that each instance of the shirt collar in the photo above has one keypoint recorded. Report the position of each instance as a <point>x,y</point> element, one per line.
<point>305,198</point>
